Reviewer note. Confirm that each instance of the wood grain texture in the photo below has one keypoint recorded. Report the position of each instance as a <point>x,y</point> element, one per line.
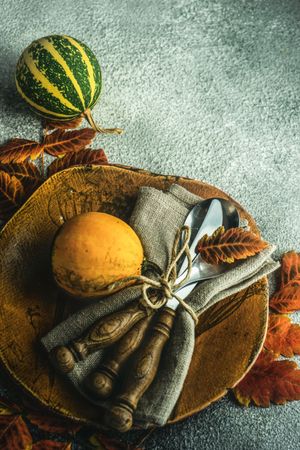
<point>103,380</point>
<point>229,335</point>
<point>103,333</point>
<point>141,372</point>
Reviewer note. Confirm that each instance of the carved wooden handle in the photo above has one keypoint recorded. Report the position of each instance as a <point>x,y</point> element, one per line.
<point>141,374</point>
<point>103,333</point>
<point>101,382</point>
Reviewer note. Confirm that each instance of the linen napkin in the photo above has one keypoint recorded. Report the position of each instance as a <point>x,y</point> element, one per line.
<point>156,218</point>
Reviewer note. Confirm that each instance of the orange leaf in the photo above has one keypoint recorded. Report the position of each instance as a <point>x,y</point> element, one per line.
<point>269,381</point>
<point>290,269</point>
<point>27,173</point>
<point>287,298</point>
<point>14,433</point>
<point>283,337</point>
<point>82,157</point>
<point>11,195</point>
<point>47,445</point>
<point>227,246</point>
<point>18,150</point>
<point>62,125</point>
<point>53,424</point>
<point>61,142</point>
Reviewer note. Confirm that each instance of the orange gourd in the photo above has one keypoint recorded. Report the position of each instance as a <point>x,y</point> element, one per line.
<point>92,250</point>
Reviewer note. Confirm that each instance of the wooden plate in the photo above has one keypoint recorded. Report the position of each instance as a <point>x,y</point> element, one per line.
<point>229,335</point>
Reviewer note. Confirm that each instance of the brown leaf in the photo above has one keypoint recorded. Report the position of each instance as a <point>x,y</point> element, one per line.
<point>283,337</point>
<point>27,173</point>
<point>228,246</point>
<point>18,150</point>
<point>11,195</point>
<point>7,407</point>
<point>47,445</point>
<point>287,298</point>
<point>82,157</point>
<point>61,142</point>
<point>53,424</point>
<point>62,125</point>
<point>14,433</point>
<point>269,381</point>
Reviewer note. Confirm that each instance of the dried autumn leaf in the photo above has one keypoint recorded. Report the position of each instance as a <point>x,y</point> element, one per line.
<point>287,298</point>
<point>61,142</point>
<point>47,445</point>
<point>290,269</point>
<point>62,125</point>
<point>27,173</point>
<point>53,424</point>
<point>82,157</point>
<point>14,433</point>
<point>268,381</point>
<point>11,195</point>
<point>7,407</point>
<point>283,337</point>
<point>18,150</point>
<point>228,246</point>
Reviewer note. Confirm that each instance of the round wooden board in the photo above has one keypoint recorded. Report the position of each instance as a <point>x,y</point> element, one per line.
<point>229,335</point>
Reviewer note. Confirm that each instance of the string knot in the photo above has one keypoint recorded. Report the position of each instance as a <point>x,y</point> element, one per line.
<point>166,286</point>
<point>156,293</point>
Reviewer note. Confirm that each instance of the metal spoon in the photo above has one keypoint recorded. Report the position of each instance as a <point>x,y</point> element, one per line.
<point>201,270</point>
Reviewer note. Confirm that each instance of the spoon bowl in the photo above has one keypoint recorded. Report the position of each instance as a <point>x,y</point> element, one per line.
<point>230,219</point>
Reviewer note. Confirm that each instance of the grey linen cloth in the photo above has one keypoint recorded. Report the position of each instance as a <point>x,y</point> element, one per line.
<point>156,218</point>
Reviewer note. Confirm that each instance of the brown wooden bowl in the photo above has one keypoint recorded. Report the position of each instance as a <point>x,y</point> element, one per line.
<point>229,335</point>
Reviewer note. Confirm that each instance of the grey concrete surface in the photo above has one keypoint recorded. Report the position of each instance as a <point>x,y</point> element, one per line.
<point>207,89</point>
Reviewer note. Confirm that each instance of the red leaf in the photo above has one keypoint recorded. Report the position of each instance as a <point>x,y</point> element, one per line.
<point>47,445</point>
<point>83,157</point>
<point>283,337</point>
<point>27,173</point>
<point>53,424</point>
<point>61,142</point>
<point>287,298</point>
<point>228,246</point>
<point>11,195</point>
<point>18,150</point>
<point>62,125</point>
<point>14,433</point>
<point>269,381</point>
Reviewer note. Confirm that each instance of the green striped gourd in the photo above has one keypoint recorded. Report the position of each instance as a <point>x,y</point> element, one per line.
<point>60,78</point>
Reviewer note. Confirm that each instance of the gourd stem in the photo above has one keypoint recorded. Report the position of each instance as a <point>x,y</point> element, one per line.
<point>89,117</point>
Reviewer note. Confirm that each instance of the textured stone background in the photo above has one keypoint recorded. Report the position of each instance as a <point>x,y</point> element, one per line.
<point>207,89</point>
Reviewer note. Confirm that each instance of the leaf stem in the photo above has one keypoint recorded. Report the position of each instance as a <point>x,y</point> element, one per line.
<point>89,118</point>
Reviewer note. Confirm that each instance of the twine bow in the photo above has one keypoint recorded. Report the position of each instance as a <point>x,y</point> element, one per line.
<point>165,287</point>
